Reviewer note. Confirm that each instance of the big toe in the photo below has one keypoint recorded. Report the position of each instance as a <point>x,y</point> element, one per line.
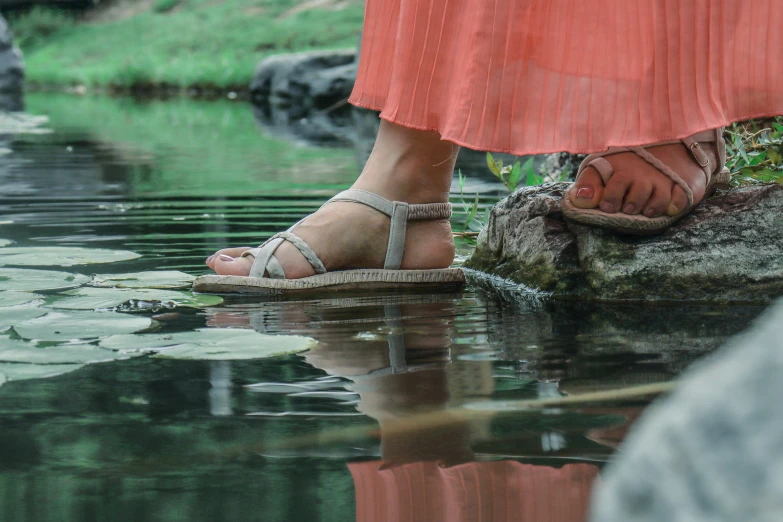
<point>230,252</point>
<point>225,264</point>
<point>588,190</point>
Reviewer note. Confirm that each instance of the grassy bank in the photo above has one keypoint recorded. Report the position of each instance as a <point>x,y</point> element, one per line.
<point>177,43</point>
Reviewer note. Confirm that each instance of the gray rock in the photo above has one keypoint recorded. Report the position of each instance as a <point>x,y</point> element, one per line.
<point>709,452</point>
<point>730,248</point>
<point>11,72</point>
<point>304,81</point>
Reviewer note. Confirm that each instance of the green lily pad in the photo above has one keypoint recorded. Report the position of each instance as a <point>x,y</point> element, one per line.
<point>12,351</point>
<point>5,242</point>
<point>100,298</point>
<point>26,280</point>
<point>23,372</point>
<point>13,315</point>
<point>159,280</point>
<point>62,256</point>
<point>57,326</point>
<point>218,344</point>
<point>18,298</point>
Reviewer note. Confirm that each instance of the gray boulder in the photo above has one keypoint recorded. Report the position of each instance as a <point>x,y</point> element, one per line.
<point>305,81</point>
<point>710,451</point>
<point>11,72</point>
<point>730,248</point>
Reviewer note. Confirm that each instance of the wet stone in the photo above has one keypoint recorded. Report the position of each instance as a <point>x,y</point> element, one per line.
<point>730,248</point>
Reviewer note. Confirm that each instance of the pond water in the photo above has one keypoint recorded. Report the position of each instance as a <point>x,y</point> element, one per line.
<point>93,428</point>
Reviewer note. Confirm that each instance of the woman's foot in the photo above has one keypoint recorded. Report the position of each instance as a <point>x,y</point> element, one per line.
<point>405,165</point>
<point>639,188</point>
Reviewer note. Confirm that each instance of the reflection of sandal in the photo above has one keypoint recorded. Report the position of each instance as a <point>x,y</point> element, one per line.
<point>717,177</point>
<point>366,279</point>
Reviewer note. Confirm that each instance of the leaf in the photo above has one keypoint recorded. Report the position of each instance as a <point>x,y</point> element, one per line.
<point>13,315</point>
<point>515,177</point>
<point>493,167</point>
<point>778,127</point>
<point>461,181</point>
<point>22,372</point>
<point>27,280</point>
<point>62,256</point>
<point>59,326</point>
<point>5,242</point>
<point>774,156</point>
<point>18,298</point>
<point>210,344</point>
<point>757,158</point>
<point>164,279</point>
<point>530,173</point>
<point>89,298</point>
<point>12,351</point>
<point>472,214</point>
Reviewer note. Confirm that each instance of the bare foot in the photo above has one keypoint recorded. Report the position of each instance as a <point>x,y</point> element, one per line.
<point>639,188</point>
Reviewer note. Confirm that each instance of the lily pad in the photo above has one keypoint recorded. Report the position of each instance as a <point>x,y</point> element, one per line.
<point>18,298</point>
<point>219,344</point>
<point>56,326</point>
<point>100,298</point>
<point>23,372</point>
<point>12,351</point>
<point>26,280</point>
<point>160,280</point>
<point>62,256</point>
<point>5,242</point>
<point>13,315</point>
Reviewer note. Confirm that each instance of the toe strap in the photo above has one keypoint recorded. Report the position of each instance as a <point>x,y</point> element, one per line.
<point>266,262</point>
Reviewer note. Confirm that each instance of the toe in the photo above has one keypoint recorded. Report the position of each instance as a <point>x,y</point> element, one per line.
<point>658,204</point>
<point>637,196</point>
<point>587,190</point>
<point>228,265</point>
<point>231,252</point>
<point>614,193</point>
<point>679,200</point>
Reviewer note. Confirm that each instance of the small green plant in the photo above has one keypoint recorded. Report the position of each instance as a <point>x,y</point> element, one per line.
<point>474,222</point>
<point>755,151</point>
<point>512,175</point>
<point>164,6</point>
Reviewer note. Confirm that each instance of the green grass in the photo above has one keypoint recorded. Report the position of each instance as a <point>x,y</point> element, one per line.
<point>176,42</point>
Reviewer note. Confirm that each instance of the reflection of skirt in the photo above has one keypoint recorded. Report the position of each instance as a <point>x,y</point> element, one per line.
<point>501,491</point>
<point>533,76</point>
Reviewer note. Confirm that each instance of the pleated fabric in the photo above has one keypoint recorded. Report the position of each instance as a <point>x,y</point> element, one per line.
<point>501,491</point>
<point>541,76</point>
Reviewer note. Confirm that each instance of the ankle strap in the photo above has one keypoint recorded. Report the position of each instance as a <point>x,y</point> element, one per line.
<point>400,213</point>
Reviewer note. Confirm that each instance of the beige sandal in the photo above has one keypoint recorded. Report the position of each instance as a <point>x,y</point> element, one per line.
<point>642,225</point>
<point>390,276</point>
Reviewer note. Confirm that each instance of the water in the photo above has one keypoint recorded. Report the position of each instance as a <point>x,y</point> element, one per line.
<point>160,439</point>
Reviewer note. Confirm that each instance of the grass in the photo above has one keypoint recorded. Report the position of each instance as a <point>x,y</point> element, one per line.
<point>180,43</point>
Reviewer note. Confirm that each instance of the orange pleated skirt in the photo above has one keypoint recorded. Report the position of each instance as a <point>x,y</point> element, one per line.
<point>540,76</point>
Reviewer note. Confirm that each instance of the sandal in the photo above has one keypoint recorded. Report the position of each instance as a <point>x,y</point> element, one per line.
<point>642,225</point>
<point>268,277</point>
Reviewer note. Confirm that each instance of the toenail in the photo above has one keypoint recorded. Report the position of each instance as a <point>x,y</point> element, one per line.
<point>585,192</point>
<point>226,258</point>
<point>650,212</point>
<point>210,258</point>
<point>628,208</point>
<point>607,207</point>
<point>673,209</point>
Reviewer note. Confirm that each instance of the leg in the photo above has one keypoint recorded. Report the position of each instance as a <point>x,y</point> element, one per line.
<point>405,165</point>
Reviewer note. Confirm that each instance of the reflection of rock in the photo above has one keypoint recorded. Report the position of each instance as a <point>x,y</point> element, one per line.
<point>729,248</point>
<point>711,450</point>
<point>11,72</point>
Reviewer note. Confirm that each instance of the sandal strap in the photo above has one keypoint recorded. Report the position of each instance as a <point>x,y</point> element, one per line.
<point>265,262</point>
<point>400,213</point>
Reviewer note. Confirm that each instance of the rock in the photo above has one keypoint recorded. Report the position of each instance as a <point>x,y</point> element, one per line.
<point>730,248</point>
<point>709,452</point>
<point>11,72</point>
<point>304,81</point>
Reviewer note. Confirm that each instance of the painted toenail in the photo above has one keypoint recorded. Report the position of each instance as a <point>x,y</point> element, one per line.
<point>226,258</point>
<point>607,207</point>
<point>628,208</point>
<point>585,192</point>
